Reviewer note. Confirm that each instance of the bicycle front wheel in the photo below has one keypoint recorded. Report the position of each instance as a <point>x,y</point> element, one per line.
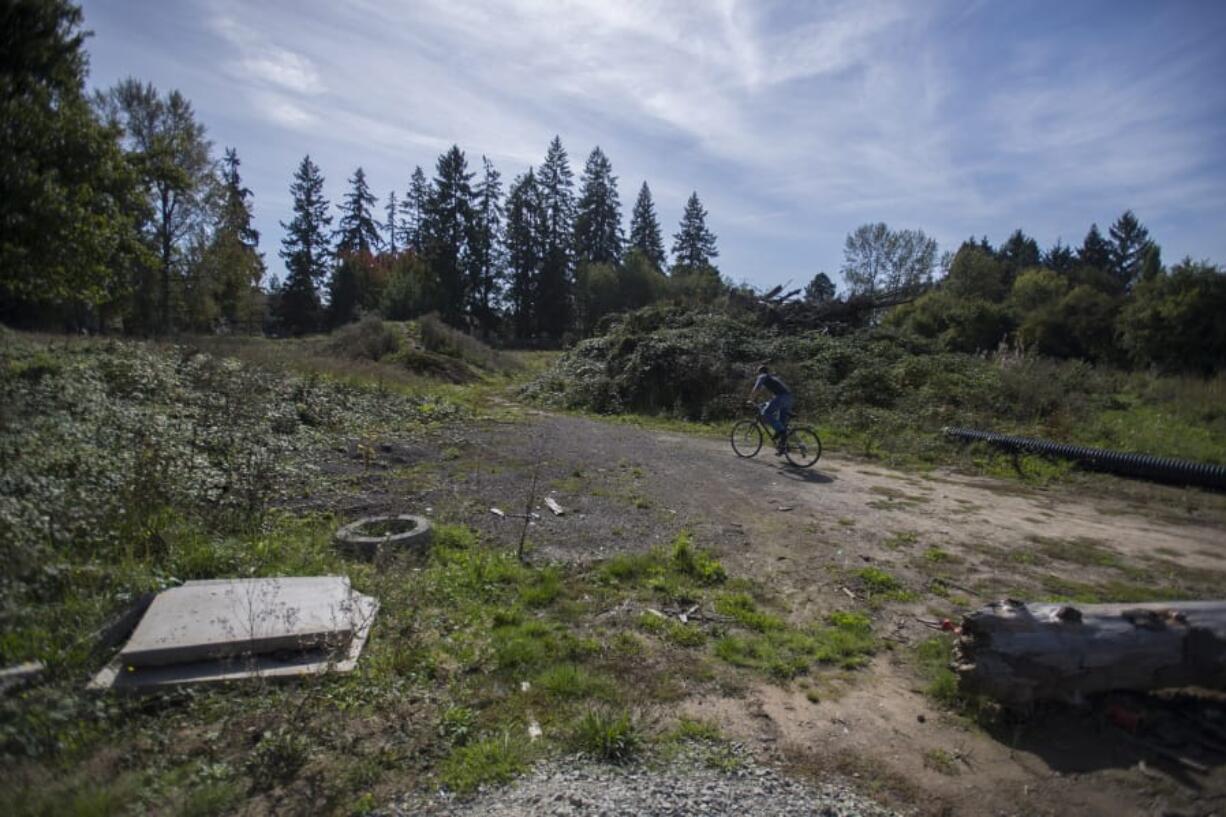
<point>804,447</point>
<point>746,438</point>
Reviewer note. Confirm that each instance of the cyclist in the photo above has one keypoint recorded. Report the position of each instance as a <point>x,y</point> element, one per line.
<point>779,409</point>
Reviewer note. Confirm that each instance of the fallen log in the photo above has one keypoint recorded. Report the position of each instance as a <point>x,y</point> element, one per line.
<point>1020,653</point>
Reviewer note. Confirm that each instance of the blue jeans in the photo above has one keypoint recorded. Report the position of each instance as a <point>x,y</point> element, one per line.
<point>778,411</point>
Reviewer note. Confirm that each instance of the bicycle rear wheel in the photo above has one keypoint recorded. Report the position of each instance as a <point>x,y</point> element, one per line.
<point>804,447</point>
<point>746,438</point>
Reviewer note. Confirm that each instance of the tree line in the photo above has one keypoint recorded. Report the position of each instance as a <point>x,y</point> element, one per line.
<point>538,262</point>
<point>116,213</point>
<point>1110,300</point>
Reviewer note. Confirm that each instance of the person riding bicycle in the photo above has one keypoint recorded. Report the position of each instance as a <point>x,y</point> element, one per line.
<point>779,409</point>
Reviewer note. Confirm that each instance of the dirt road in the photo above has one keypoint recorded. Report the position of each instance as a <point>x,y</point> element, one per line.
<point>952,541</point>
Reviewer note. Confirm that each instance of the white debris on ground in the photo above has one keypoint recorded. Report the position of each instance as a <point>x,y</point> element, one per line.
<point>576,786</point>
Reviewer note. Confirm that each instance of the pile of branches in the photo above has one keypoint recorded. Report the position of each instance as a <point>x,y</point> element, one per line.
<point>836,316</point>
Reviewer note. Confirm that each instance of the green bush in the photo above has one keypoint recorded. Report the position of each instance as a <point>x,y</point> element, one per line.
<point>608,735</point>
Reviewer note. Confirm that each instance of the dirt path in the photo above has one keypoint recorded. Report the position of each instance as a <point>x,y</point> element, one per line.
<point>804,534</point>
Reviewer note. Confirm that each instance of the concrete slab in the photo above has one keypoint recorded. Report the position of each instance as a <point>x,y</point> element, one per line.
<point>224,619</point>
<point>123,677</point>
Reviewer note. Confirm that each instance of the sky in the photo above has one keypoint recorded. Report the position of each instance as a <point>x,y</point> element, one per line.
<point>795,122</point>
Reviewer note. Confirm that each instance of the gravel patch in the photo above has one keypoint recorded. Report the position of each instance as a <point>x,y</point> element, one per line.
<point>578,787</point>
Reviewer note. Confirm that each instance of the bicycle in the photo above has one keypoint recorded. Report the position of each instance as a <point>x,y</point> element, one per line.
<point>802,447</point>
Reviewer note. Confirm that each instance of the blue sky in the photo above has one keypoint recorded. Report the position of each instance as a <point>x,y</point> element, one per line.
<point>795,121</point>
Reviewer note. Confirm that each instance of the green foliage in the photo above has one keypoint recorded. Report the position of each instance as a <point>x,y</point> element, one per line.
<point>845,641</point>
<point>493,760</point>
<point>368,339</point>
<point>877,583</point>
<point>1174,321</point>
<point>608,735</point>
<point>572,681</point>
<point>277,757</point>
<point>696,564</point>
<point>70,201</point>
<point>933,657</point>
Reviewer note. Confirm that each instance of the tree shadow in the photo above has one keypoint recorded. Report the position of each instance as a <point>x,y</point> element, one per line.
<point>1182,734</point>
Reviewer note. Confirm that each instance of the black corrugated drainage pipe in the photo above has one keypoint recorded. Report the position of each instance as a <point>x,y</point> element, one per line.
<point>1159,469</point>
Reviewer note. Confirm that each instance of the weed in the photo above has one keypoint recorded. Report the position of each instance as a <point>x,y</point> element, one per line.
<point>933,656</point>
<point>877,583</point>
<point>607,735</point>
<point>901,539</point>
<point>845,641</point>
<point>572,681</point>
<point>694,563</point>
<point>278,756</point>
<point>493,760</point>
<point>745,612</point>
<point>456,725</point>
<point>941,762</point>
<point>543,589</point>
<point>695,729</point>
<point>936,555</point>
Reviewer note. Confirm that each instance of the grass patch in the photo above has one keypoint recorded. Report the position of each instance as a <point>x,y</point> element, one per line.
<point>901,539</point>
<point>572,681</point>
<point>941,761</point>
<point>879,585</point>
<point>495,759</point>
<point>845,641</point>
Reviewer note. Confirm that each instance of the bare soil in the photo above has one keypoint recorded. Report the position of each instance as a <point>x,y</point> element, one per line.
<point>954,541</point>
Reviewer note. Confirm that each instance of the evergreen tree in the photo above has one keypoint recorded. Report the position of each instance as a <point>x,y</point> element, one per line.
<point>1020,251</point>
<point>413,212</point>
<point>1129,241</point>
<point>1151,263</point>
<point>525,251</point>
<point>820,289</point>
<point>235,262</point>
<point>555,283</point>
<point>694,244</point>
<point>70,201</point>
<point>175,158</point>
<point>645,229</point>
<point>1060,258</point>
<point>1095,252</point>
<point>390,227</point>
<point>305,249</point>
<point>357,233</point>
<point>447,232</point>
<point>486,263</point>
<point>598,221</point>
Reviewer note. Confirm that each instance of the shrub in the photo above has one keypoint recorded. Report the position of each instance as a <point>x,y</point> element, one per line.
<point>368,339</point>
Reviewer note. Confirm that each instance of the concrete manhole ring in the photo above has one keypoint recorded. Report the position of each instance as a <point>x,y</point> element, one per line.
<point>369,534</point>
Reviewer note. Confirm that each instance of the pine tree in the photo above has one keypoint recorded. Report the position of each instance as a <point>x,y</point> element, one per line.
<point>390,227</point>
<point>1129,241</point>
<point>305,249</point>
<point>1095,252</point>
<point>234,255</point>
<point>555,284</point>
<point>1020,251</point>
<point>357,233</point>
<point>598,220</point>
<point>447,232</point>
<point>645,229</point>
<point>820,289</point>
<point>694,244</point>
<point>1060,258</point>
<point>413,212</point>
<point>525,251</point>
<point>70,201</point>
<point>485,261</point>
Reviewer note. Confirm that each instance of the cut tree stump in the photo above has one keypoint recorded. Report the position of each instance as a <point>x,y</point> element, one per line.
<point>1020,653</point>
